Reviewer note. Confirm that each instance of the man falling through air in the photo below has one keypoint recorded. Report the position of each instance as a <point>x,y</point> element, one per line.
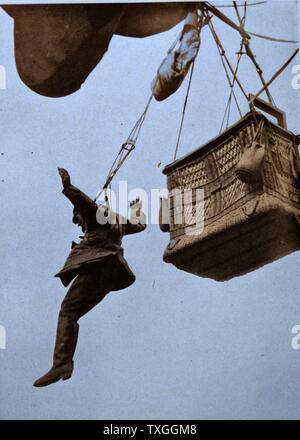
<point>96,265</point>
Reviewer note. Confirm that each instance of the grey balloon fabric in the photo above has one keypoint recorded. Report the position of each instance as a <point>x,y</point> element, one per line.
<point>58,45</point>
<point>143,20</point>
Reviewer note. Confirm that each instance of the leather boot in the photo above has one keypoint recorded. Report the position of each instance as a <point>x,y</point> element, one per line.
<point>65,345</point>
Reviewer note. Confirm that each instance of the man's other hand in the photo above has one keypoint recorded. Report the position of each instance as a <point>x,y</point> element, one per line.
<point>136,206</point>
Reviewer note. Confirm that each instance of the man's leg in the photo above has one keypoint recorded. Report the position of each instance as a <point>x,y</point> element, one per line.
<point>86,291</point>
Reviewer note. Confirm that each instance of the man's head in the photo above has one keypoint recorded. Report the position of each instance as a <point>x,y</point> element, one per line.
<point>78,220</point>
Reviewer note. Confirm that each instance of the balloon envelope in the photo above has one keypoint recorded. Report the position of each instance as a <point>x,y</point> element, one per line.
<point>58,45</point>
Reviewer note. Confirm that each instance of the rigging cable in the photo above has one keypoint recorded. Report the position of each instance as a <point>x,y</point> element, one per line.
<point>240,54</point>
<point>276,40</point>
<point>223,57</point>
<point>202,23</point>
<point>249,4</point>
<point>252,56</point>
<point>184,109</point>
<point>124,152</point>
<point>215,11</point>
<point>129,145</point>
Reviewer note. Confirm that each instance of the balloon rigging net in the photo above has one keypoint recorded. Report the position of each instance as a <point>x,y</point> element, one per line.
<point>249,174</point>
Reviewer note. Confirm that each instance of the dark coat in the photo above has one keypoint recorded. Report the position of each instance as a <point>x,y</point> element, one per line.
<point>101,244</point>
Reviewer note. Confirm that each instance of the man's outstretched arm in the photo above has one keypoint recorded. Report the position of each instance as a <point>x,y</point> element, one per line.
<point>83,204</point>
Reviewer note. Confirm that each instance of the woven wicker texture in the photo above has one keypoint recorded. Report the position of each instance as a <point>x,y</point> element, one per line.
<point>228,202</point>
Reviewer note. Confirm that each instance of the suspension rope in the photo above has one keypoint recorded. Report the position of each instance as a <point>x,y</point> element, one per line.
<point>249,4</point>
<point>228,107</point>
<point>129,145</point>
<point>223,57</point>
<point>202,21</point>
<point>252,56</point>
<point>275,76</point>
<point>276,40</point>
<point>124,152</point>
<point>184,109</point>
<point>215,11</point>
<point>134,134</point>
<point>240,54</point>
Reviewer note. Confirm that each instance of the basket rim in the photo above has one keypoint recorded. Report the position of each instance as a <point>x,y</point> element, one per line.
<point>206,148</point>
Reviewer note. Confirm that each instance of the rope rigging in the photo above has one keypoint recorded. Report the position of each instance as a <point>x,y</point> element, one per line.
<point>124,152</point>
<point>239,54</point>
<point>226,64</point>
<point>202,23</point>
<point>252,56</point>
<point>276,40</point>
<point>206,12</point>
<point>249,4</point>
<point>184,109</point>
<point>130,143</point>
<point>224,59</point>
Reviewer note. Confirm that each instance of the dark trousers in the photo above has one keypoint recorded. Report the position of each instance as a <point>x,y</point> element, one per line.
<point>86,291</point>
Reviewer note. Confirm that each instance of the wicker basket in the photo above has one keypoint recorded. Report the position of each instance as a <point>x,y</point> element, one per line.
<point>245,226</point>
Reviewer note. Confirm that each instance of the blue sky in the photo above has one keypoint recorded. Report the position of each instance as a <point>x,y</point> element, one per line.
<point>172,345</point>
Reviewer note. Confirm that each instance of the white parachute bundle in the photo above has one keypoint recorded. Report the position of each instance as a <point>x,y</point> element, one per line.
<point>181,55</point>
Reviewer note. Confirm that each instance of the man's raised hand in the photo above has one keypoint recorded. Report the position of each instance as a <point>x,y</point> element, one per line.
<point>136,206</point>
<point>65,177</point>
